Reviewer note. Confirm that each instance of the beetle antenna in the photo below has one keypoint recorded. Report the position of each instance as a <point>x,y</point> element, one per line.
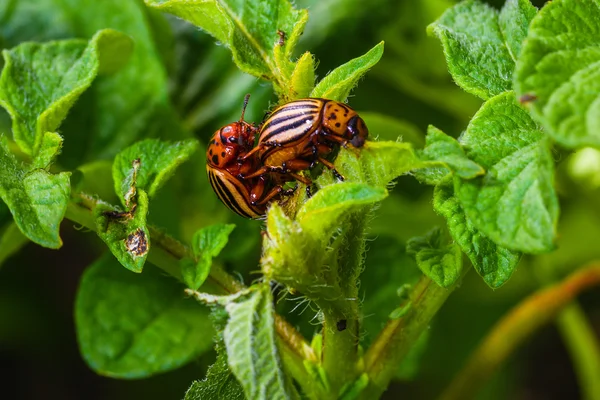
<point>246,98</point>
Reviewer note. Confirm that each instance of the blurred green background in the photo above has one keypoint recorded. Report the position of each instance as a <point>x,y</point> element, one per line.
<point>409,89</point>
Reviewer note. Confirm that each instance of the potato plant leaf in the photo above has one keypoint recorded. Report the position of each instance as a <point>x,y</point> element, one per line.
<point>558,69</point>
<point>157,162</point>
<point>339,82</point>
<point>60,72</point>
<point>126,233</point>
<point>134,326</point>
<point>220,383</point>
<point>481,44</point>
<point>249,337</point>
<point>260,34</point>
<point>251,344</point>
<point>494,263</point>
<point>37,199</point>
<point>303,77</point>
<point>324,211</point>
<point>50,148</point>
<point>514,204</point>
<point>440,261</point>
<point>207,243</point>
<point>445,155</point>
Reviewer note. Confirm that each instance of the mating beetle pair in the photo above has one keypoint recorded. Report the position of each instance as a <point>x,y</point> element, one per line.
<point>293,138</point>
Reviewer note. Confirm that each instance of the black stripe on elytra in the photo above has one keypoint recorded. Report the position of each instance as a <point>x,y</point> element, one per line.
<point>275,121</point>
<point>310,106</point>
<point>233,204</point>
<point>226,196</point>
<point>293,125</point>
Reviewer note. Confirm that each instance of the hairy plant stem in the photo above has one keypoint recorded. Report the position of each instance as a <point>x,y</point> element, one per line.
<point>341,323</point>
<point>400,335</point>
<point>515,327</point>
<point>166,252</point>
<point>340,348</point>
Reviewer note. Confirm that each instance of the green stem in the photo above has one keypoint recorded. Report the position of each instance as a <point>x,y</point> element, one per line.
<point>340,348</point>
<point>341,324</point>
<point>400,335</point>
<point>514,328</point>
<point>583,347</point>
<point>166,253</point>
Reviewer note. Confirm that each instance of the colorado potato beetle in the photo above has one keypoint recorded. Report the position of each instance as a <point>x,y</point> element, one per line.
<point>298,134</point>
<point>226,165</point>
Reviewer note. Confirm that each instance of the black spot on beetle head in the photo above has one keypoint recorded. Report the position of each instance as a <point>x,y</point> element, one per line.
<point>215,159</point>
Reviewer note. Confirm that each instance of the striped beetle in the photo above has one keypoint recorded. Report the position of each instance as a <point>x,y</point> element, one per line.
<point>226,165</point>
<point>298,134</point>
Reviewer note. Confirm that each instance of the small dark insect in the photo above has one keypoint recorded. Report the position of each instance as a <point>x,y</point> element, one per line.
<point>527,98</point>
<point>341,325</point>
<point>136,243</point>
<point>281,34</point>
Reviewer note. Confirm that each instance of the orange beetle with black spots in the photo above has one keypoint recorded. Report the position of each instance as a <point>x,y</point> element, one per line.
<point>298,134</point>
<point>226,165</point>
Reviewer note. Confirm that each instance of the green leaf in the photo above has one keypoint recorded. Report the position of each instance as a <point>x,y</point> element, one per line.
<point>219,383</point>
<point>252,349</point>
<point>50,147</point>
<point>11,241</point>
<point>126,233</point>
<point>134,326</point>
<point>376,164</point>
<point>515,17</point>
<point>54,75</point>
<point>481,44</point>
<point>514,204</point>
<point>157,162</point>
<point>303,77</point>
<point>494,263</point>
<point>325,211</point>
<point>339,82</point>
<point>440,261</point>
<point>37,199</point>
<point>558,69</point>
<point>250,30</point>
<point>445,150</point>
<point>206,244</point>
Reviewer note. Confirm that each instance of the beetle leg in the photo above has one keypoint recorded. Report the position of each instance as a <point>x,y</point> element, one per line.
<point>301,178</point>
<point>251,152</point>
<point>272,193</point>
<point>330,165</point>
<point>259,172</point>
<point>290,191</point>
<point>257,192</point>
<point>296,164</point>
<point>308,193</point>
<point>335,138</point>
